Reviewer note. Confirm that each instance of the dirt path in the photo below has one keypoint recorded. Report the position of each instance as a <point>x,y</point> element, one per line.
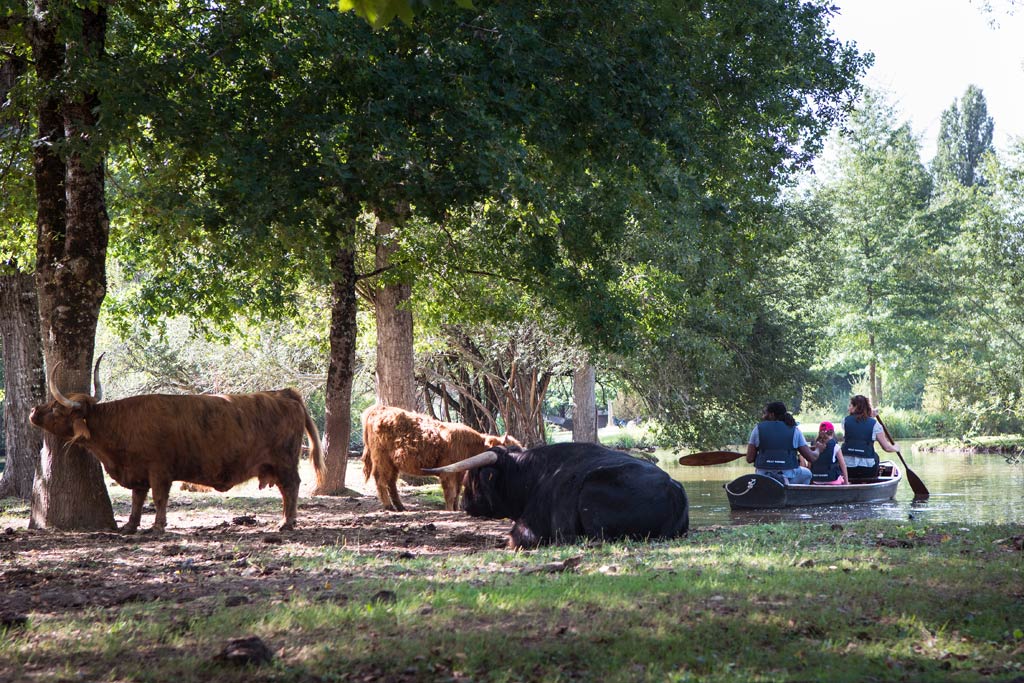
<point>220,546</point>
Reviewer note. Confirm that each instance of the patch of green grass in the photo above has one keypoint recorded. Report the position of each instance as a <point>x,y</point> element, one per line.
<point>12,510</point>
<point>875,600</point>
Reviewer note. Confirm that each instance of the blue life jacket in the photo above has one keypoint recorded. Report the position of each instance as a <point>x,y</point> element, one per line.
<point>859,439</point>
<point>775,446</point>
<point>826,467</point>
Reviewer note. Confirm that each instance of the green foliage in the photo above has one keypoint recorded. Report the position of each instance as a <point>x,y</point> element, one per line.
<point>612,164</point>
<point>380,13</point>
<point>17,195</point>
<point>876,302</point>
<point>978,372</point>
<point>965,136</point>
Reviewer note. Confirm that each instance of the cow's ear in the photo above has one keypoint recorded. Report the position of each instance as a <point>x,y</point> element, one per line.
<point>80,429</point>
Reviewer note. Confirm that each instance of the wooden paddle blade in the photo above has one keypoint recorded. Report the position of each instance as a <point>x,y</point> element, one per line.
<point>916,485</point>
<point>710,458</point>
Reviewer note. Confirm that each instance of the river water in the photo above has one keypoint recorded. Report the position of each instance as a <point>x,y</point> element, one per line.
<point>966,489</point>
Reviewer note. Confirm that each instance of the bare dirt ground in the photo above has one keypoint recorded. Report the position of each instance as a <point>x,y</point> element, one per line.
<point>221,545</point>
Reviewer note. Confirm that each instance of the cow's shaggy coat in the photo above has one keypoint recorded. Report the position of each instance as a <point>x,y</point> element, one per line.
<point>398,441</point>
<point>217,440</point>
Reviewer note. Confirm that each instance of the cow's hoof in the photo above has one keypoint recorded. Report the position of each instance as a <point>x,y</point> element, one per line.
<point>154,531</point>
<point>128,530</point>
<point>287,526</point>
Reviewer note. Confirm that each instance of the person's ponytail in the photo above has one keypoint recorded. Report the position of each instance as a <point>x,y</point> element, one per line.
<point>778,409</point>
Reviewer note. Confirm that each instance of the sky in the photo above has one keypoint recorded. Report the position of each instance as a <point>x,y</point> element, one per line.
<point>928,51</point>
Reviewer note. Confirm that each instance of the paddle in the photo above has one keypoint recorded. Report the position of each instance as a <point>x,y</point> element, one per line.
<point>710,458</point>
<point>918,487</point>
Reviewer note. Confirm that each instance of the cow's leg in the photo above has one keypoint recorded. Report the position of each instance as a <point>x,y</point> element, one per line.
<point>138,500</point>
<point>450,487</point>
<point>288,485</point>
<point>392,493</point>
<point>161,493</point>
<point>385,476</point>
<point>522,536</point>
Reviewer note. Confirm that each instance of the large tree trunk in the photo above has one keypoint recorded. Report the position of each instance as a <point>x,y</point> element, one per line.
<point>338,399</point>
<point>396,360</point>
<point>396,381</point>
<point>71,246</point>
<point>25,386</point>
<point>584,416</point>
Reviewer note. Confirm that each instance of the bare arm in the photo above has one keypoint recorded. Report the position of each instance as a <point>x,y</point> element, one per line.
<point>883,441</point>
<point>842,465</point>
<point>751,452</point>
<point>810,455</point>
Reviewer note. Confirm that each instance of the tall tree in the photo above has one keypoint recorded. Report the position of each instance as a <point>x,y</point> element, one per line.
<point>977,369</point>
<point>883,236</point>
<point>965,135</point>
<point>23,386</point>
<point>19,311</point>
<point>65,44</point>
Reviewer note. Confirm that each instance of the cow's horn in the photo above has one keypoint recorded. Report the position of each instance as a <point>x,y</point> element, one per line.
<point>59,397</point>
<point>98,388</point>
<point>479,460</point>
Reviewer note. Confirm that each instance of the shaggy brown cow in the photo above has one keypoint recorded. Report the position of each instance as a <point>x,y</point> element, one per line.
<point>216,440</point>
<point>395,440</point>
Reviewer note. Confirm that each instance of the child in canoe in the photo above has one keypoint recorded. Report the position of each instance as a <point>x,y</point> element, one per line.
<point>830,467</point>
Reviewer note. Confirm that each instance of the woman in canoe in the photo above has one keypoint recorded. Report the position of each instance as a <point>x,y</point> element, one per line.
<point>775,445</point>
<point>860,432</point>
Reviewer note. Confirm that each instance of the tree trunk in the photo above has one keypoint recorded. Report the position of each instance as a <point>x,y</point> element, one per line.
<point>396,382</point>
<point>69,491</point>
<point>25,385</point>
<point>584,417</point>
<point>338,398</point>
<point>523,404</point>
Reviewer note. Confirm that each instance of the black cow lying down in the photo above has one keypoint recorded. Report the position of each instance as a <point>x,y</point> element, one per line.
<point>569,491</point>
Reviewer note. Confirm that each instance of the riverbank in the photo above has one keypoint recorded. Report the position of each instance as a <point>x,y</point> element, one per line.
<point>1006,444</point>
<point>357,594</point>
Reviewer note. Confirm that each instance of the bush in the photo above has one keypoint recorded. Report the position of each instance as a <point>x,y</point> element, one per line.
<point>631,436</point>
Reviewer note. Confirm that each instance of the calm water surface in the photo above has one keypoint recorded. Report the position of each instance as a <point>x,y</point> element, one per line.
<point>964,488</point>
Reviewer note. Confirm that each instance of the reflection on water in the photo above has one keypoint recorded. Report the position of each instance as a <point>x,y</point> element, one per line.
<point>964,488</point>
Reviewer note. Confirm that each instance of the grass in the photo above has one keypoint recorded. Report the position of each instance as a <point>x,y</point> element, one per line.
<point>629,436</point>
<point>877,601</point>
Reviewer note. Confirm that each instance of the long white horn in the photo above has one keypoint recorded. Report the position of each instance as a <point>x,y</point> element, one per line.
<point>97,387</point>
<point>479,460</point>
<point>60,398</point>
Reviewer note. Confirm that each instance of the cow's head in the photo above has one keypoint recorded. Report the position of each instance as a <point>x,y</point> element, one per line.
<point>484,494</point>
<point>508,441</point>
<point>65,416</point>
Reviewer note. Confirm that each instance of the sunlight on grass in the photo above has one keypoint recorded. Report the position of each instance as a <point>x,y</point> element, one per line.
<point>778,602</point>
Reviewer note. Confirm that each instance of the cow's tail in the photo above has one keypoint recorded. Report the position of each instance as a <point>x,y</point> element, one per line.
<point>316,451</point>
<point>367,458</point>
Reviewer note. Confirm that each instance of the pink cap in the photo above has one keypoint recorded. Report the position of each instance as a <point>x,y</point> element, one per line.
<point>826,427</point>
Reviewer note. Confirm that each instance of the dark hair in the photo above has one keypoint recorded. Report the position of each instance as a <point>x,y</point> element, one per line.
<point>861,406</point>
<point>778,409</point>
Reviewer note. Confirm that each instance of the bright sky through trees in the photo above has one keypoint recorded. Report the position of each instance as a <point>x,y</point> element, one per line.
<point>928,51</point>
